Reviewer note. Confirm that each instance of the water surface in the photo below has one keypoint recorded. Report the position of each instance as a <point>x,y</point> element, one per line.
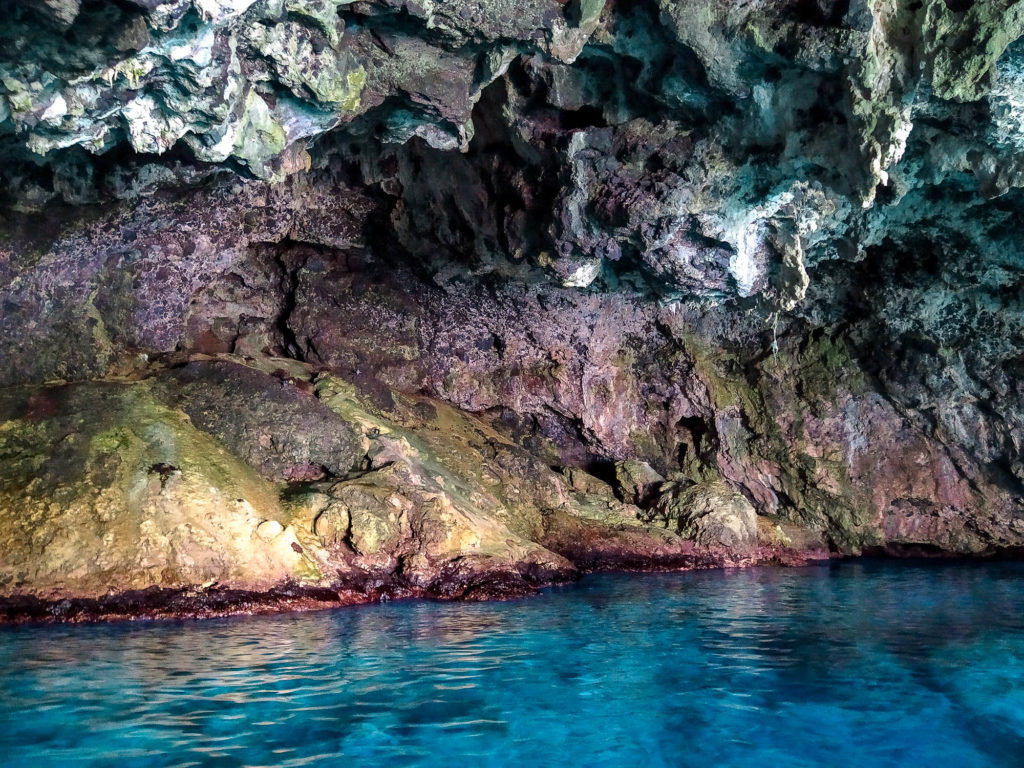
<point>857,664</point>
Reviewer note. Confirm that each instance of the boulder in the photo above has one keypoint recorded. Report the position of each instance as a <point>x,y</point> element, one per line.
<point>712,514</point>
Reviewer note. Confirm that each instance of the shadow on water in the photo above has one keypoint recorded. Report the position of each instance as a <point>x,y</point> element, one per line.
<point>860,663</point>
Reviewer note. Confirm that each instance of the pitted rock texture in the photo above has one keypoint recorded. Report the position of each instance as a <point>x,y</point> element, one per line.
<point>482,294</point>
<point>250,83</point>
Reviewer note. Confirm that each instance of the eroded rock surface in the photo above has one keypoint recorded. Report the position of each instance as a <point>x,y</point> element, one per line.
<point>110,488</point>
<point>463,298</point>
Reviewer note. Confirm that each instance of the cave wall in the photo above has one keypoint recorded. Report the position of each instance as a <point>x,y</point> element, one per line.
<point>769,245</point>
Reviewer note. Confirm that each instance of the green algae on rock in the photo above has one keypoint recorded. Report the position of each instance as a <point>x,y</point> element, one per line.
<point>105,488</point>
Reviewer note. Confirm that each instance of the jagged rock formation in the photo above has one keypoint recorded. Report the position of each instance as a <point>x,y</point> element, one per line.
<point>746,275</point>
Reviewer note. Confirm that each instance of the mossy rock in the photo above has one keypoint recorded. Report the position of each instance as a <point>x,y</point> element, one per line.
<point>103,488</point>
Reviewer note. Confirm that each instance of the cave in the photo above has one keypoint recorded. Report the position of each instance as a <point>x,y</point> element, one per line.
<point>312,303</point>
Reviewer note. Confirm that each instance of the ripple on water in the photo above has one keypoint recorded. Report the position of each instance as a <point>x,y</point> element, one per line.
<point>880,664</point>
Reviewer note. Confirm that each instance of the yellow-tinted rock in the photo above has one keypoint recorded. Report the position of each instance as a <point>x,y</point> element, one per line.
<point>711,514</point>
<point>104,489</point>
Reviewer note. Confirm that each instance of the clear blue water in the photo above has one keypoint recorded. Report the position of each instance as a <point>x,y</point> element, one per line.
<point>869,664</point>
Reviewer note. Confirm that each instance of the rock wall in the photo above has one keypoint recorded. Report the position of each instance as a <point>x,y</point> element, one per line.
<point>604,283</point>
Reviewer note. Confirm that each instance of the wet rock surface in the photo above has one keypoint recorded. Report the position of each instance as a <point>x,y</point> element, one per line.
<point>463,300</point>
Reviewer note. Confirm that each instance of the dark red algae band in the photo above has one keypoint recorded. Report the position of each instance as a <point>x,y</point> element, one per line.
<point>162,603</point>
<point>451,584</point>
<point>896,551</point>
<point>193,603</point>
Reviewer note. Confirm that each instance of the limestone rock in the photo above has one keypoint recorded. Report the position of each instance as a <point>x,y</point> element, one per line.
<point>712,514</point>
<point>268,420</point>
<point>638,482</point>
<point>269,530</point>
<point>436,281</point>
<point>105,489</point>
<point>333,524</point>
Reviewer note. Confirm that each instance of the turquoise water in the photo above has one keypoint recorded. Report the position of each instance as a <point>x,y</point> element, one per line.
<point>869,664</point>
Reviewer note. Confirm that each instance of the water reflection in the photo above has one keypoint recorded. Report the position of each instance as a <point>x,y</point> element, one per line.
<point>858,664</point>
